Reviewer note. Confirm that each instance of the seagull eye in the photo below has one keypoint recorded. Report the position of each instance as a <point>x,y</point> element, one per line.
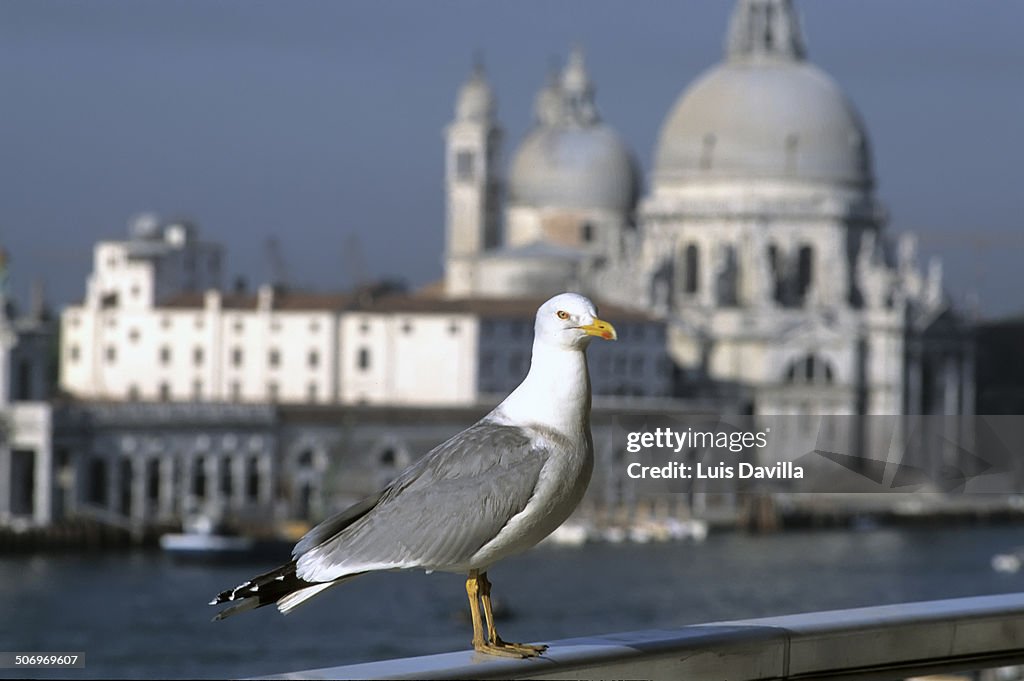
<point>562,314</point>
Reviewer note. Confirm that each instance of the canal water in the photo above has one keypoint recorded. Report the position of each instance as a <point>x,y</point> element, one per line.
<point>144,615</point>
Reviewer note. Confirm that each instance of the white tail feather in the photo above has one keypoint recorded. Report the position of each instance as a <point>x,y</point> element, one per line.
<point>297,598</point>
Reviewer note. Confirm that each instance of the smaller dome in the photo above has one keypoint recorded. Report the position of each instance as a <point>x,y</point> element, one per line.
<point>571,159</point>
<point>574,167</point>
<point>475,101</point>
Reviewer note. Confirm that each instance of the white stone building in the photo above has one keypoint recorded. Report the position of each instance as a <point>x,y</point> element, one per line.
<point>760,246</point>
<point>756,266</point>
<point>149,330</point>
<point>760,241</point>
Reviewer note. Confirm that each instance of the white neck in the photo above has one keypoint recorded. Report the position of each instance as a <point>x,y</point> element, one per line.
<point>555,393</point>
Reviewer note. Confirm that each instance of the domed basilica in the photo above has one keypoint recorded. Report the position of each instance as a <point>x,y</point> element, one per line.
<point>760,239</point>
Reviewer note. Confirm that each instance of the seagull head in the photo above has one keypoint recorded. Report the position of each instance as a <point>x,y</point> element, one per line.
<point>569,321</point>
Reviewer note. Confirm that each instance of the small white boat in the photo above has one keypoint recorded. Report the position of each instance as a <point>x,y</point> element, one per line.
<point>1008,562</point>
<point>694,529</point>
<point>202,537</point>
<point>614,535</point>
<point>569,534</point>
<point>641,534</point>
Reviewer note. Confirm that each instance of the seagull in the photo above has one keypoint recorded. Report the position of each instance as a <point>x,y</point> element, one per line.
<point>494,490</point>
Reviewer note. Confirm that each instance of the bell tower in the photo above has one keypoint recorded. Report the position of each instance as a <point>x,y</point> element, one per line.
<point>472,183</point>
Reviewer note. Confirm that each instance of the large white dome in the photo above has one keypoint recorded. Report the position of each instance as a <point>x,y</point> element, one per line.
<point>764,113</point>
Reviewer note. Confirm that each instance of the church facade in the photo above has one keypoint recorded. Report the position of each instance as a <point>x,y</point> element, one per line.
<point>760,240</point>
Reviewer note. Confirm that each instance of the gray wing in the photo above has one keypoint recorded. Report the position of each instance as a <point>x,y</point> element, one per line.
<point>437,513</point>
<point>335,524</point>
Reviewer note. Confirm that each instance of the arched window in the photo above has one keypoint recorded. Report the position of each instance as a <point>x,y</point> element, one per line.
<point>727,278</point>
<point>776,271</point>
<point>691,269</point>
<point>805,271</point>
<point>153,480</point>
<point>809,370</point>
<point>225,479</point>
<point>199,477</point>
<point>252,479</point>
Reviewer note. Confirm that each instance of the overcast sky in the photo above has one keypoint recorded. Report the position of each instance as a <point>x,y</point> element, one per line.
<point>318,121</point>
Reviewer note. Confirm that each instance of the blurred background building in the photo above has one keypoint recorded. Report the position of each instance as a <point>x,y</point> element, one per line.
<point>754,276</point>
<point>760,242</point>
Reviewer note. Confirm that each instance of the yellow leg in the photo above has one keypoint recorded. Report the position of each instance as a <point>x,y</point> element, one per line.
<point>521,649</point>
<point>473,591</point>
<point>481,644</point>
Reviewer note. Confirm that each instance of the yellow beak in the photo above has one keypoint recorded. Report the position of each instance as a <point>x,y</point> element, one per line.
<point>601,329</point>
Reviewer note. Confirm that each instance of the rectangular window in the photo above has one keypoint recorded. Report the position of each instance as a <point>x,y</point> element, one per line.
<point>236,357</point>
<point>252,479</point>
<point>314,359</point>
<point>274,358</point>
<point>96,492</point>
<point>272,391</point>
<point>199,477</point>
<point>197,356</point>
<point>226,479</point>
<point>364,358</point>
<point>165,392</point>
<point>236,391</point>
<point>23,390</point>
<point>152,468</point>
<point>464,162</point>
<point>23,481</point>
<point>165,355</point>
<point>111,354</point>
